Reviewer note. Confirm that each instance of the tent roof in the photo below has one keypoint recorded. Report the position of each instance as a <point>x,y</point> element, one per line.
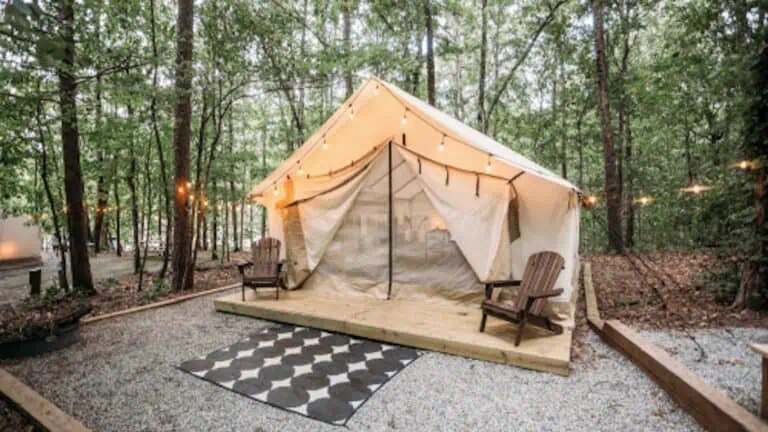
<point>380,115</point>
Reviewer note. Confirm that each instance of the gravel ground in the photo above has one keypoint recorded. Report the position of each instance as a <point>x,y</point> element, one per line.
<point>122,377</point>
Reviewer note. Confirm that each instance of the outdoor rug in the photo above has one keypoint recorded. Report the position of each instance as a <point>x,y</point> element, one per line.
<point>321,375</point>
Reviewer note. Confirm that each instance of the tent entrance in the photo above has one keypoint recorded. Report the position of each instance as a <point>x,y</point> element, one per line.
<point>393,244</point>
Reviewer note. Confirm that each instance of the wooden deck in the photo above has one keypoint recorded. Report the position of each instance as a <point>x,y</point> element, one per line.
<point>438,327</point>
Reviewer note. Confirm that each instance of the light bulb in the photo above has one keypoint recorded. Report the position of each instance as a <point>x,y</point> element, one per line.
<point>488,167</point>
<point>441,147</point>
<point>325,143</point>
<point>743,165</point>
<point>696,189</point>
<point>404,120</point>
<point>301,170</point>
<point>376,90</point>
<point>274,191</point>
<point>351,112</point>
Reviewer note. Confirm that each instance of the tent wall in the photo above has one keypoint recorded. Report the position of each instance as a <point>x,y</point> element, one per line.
<point>18,239</point>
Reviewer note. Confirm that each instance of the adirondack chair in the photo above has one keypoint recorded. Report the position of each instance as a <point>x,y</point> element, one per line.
<point>541,272</point>
<point>266,266</point>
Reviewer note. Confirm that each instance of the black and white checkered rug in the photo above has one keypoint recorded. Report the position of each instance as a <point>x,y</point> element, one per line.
<point>321,375</point>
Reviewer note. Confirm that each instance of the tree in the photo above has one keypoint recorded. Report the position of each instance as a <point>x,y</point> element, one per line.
<point>754,274</point>
<point>70,142</point>
<point>182,277</point>
<point>430,53</point>
<point>613,198</point>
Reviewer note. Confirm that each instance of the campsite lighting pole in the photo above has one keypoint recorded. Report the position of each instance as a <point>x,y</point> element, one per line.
<point>389,288</point>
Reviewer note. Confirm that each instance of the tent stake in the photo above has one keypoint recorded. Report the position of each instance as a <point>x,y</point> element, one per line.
<point>389,289</point>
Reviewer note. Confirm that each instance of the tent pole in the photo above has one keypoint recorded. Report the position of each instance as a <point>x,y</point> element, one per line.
<point>389,289</point>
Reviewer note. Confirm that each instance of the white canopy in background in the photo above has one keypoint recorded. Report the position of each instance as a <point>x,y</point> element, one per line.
<point>335,227</point>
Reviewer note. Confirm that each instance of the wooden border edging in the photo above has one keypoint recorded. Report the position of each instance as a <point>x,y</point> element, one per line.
<point>708,405</point>
<point>39,409</point>
<point>158,304</point>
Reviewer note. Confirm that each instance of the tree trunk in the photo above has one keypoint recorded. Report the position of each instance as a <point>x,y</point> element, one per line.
<point>159,144</point>
<point>430,53</point>
<point>181,139</point>
<point>346,10</point>
<point>215,227</point>
<point>70,142</point>
<point>630,182</point>
<point>613,199</point>
<point>481,121</point>
<point>118,246</point>
<point>62,273</point>
<point>131,181</point>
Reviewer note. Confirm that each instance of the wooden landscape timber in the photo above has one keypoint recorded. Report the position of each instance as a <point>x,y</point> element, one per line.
<point>762,349</point>
<point>708,405</point>
<point>157,304</point>
<point>39,409</point>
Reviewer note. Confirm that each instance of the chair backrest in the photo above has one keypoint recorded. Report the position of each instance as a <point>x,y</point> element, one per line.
<point>266,255</point>
<point>540,275</point>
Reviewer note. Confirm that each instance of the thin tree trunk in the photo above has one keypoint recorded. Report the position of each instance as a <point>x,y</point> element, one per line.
<point>215,227</point>
<point>62,273</point>
<point>182,278</point>
<point>346,11</point>
<point>70,141</point>
<point>630,183</point>
<point>159,144</point>
<point>430,53</point>
<point>131,181</point>
<point>118,246</point>
<point>481,120</point>
<point>613,200</point>
<point>99,237</point>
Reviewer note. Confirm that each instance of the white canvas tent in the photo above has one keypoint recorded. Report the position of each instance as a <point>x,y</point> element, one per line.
<point>393,198</point>
<point>19,240</point>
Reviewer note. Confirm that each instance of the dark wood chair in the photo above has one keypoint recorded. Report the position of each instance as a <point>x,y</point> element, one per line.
<point>539,277</point>
<point>265,266</point>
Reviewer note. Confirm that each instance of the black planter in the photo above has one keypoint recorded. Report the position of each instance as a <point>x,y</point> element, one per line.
<point>64,333</point>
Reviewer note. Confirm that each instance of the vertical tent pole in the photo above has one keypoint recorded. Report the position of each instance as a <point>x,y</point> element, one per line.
<point>389,289</point>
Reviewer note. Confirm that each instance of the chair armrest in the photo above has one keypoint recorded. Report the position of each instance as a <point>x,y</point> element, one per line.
<point>242,265</point>
<point>547,294</point>
<point>490,285</point>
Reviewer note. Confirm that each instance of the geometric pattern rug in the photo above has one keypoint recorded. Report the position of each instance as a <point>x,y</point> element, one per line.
<point>321,375</point>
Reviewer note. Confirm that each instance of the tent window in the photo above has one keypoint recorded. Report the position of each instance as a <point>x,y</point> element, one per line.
<point>513,219</point>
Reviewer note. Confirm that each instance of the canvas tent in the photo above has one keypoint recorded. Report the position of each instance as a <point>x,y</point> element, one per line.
<point>392,198</point>
<point>19,240</point>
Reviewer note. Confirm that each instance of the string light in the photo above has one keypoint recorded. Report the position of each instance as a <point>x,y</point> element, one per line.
<point>301,170</point>
<point>274,190</point>
<point>325,143</point>
<point>488,167</point>
<point>181,189</point>
<point>441,147</point>
<point>351,112</point>
<point>376,90</point>
<point>644,200</point>
<point>404,120</point>
<point>744,165</point>
<point>189,184</point>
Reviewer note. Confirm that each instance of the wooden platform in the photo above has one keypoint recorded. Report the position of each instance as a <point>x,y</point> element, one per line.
<point>437,327</point>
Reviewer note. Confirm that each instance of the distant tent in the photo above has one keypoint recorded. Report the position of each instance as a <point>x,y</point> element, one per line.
<point>19,241</point>
<point>464,208</point>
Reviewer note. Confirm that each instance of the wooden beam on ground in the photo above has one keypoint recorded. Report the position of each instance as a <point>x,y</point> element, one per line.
<point>708,405</point>
<point>762,349</point>
<point>593,313</point>
<point>39,409</point>
<point>158,304</point>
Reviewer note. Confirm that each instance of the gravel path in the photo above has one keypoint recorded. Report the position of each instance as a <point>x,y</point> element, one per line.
<point>122,377</point>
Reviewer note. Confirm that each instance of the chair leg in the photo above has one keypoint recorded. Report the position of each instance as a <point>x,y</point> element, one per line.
<point>520,329</point>
<point>482,322</point>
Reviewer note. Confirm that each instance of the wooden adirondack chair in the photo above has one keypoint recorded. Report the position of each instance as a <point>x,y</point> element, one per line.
<point>266,266</point>
<point>537,285</point>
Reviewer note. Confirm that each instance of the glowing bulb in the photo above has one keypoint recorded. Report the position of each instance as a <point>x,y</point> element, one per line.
<point>191,197</point>
<point>274,191</point>
<point>376,90</point>
<point>181,189</point>
<point>301,170</point>
<point>488,167</point>
<point>351,112</point>
<point>744,165</point>
<point>325,143</point>
<point>696,189</point>
<point>189,184</point>
<point>592,199</point>
<point>404,120</point>
<point>644,200</point>
<point>441,147</point>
